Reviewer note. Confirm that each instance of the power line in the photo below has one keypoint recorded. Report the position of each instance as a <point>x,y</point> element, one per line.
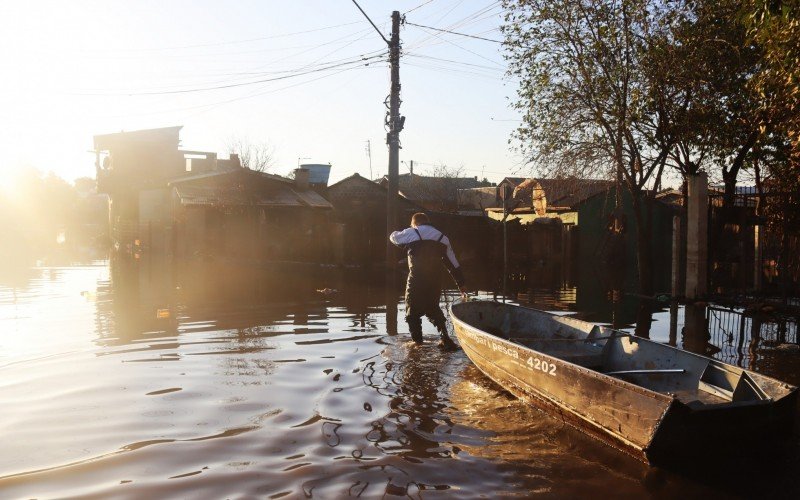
<point>470,51</point>
<point>361,35</point>
<point>479,66</point>
<point>477,16</point>
<point>469,19</point>
<point>455,33</point>
<point>239,98</point>
<point>226,78</point>
<point>350,42</point>
<point>272,91</point>
<point>240,84</point>
<point>454,71</point>
<point>454,7</point>
<point>234,42</point>
<point>417,7</point>
<point>373,24</point>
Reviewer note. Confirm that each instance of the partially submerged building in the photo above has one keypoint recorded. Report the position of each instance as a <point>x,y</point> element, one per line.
<point>563,220</point>
<point>169,201</point>
<point>244,214</point>
<point>360,211</point>
<point>434,193</point>
<point>530,199</point>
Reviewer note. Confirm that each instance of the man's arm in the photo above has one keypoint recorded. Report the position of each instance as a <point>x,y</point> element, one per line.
<point>404,237</point>
<point>452,265</point>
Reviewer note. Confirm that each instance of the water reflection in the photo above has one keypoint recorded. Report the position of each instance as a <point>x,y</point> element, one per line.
<point>144,379</point>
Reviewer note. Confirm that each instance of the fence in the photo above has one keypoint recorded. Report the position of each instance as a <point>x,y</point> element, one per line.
<point>742,337</point>
<point>754,244</point>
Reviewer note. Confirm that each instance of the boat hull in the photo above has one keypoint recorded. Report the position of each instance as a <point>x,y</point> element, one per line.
<point>654,427</point>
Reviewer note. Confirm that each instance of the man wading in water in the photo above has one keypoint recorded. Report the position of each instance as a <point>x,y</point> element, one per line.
<point>428,248</point>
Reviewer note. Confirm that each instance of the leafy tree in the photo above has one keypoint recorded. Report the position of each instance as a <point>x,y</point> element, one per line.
<point>729,119</point>
<point>774,25</point>
<point>594,94</point>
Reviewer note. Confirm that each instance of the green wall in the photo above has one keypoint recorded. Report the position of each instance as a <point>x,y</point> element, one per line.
<point>595,243</point>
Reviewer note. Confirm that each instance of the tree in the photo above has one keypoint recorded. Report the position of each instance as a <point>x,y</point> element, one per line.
<point>775,26</point>
<point>259,156</point>
<point>594,98</point>
<point>731,110</point>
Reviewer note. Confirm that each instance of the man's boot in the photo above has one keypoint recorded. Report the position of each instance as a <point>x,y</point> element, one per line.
<point>444,339</point>
<point>415,327</point>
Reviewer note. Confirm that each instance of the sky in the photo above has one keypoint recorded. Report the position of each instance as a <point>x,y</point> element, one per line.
<point>306,78</point>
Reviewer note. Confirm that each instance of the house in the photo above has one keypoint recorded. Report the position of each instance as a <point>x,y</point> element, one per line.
<point>434,193</point>
<point>360,210</point>
<point>243,214</point>
<point>530,199</point>
<point>671,196</point>
<point>475,201</point>
<point>567,219</point>
<point>173,202</point>
<point>596,243</point>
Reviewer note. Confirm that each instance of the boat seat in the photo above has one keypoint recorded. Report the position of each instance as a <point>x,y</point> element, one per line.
<point>593,361</point>
<point>585,359</point>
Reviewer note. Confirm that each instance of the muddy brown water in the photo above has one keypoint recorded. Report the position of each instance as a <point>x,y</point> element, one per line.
<point>135,382</point>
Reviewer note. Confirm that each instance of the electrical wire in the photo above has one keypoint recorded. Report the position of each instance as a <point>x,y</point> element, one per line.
<point>423,56</point>
<point>418,6</point>
<point>370,21</point>
<point>243,97</point>
<point>442,69</point>
<point>477,16</point>
<point>272,91</point>
<point>455,33</point>
<point>454,71</point>
<point>236,42</point>
<point>470,51</point>
<point>247,75</point>
<point>231,85</point>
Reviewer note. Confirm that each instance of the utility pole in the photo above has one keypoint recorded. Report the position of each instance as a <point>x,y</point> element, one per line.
<point>395,125</point>
<point>368,149</point>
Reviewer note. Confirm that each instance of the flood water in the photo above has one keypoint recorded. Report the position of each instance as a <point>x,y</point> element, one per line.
<point>131,380</point>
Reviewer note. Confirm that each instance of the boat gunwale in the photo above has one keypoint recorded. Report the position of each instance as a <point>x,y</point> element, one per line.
<point>649,452</point>
<point>588,371</point>
<point>616,381</point>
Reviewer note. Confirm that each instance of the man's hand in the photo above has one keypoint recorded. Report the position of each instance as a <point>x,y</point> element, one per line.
<point>463,292</point>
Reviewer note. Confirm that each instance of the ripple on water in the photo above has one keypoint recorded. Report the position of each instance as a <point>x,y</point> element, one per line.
<point>243,397</point>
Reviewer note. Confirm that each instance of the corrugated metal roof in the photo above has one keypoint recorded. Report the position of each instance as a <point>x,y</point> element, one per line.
<point>424,188</point>
<point>313,199</point>
<point>190,195</point>
<point>235,172</point>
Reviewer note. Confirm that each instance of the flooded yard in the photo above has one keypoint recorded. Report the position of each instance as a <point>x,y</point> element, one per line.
<point>133,380</point>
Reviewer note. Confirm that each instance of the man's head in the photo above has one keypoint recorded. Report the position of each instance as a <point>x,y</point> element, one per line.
<point>419,219</point>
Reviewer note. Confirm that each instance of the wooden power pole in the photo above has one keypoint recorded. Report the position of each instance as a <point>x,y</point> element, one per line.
<point>395,124</point>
